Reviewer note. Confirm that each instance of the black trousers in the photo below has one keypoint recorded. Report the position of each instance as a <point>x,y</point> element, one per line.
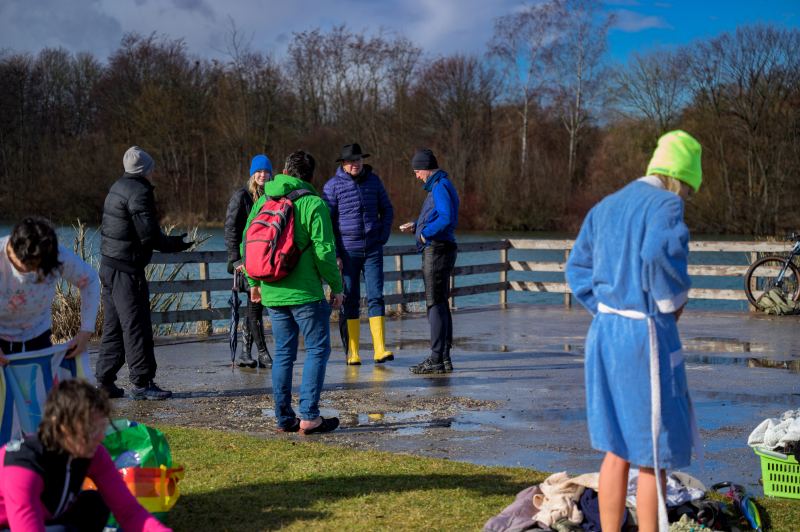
<point>253,326</point>
<point>127,329</point>
<point>438,261</point>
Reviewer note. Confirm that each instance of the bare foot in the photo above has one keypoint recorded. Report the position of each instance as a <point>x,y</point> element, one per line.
<point>306,425</point>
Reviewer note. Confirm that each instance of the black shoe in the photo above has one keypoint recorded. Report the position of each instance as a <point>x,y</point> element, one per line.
<point>113,391</point>
<point>427,367</point>
<point>264,360</point>
<point>448,365</point>
<point>246,360</point>
<point>150,392</point>
<point>327,425</point>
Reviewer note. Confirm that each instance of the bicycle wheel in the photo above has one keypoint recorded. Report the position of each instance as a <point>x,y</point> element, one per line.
<point>760,278</point>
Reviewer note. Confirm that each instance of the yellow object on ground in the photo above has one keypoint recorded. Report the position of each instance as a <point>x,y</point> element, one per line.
<point>377,326</point>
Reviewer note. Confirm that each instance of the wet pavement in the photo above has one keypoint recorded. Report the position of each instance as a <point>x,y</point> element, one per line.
<point>516,397</point>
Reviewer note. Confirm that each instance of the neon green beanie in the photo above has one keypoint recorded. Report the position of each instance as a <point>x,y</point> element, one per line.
<point>678,155</point>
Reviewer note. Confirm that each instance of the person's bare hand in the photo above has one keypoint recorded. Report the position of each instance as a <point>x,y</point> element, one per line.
<point>678,313</point>
<point>78,344</point>
<point>336,301</point>
<point>3,360</point>
<point>339,264</point>
<point>408,227</point>
<point>255,294</point>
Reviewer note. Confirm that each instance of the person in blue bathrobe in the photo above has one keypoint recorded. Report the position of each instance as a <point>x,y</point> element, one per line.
<point>629,268</point>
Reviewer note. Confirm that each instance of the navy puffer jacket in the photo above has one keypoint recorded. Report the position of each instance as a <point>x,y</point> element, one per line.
<point>360,209</point>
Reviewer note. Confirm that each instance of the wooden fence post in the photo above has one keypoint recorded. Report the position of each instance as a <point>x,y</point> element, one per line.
<point>207,327</point>
<point>567,294</point>
<point>398,265</point>
<point>504,276</point>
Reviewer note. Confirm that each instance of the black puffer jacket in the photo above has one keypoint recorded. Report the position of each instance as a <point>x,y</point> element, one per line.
<point>239,207</point>
<point>130,227</point>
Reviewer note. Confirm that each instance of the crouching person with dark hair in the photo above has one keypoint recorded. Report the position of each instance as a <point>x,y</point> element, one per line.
<point>296,303</point>
<point>31,265</point>
<point>41,476</point>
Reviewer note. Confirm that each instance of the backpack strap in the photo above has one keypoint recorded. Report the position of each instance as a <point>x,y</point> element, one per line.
<point>293,196</point>
<point>299,193</point>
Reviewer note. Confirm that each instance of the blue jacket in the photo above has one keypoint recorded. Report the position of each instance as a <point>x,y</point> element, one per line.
<point>360,210</point>
<point>439,215</point>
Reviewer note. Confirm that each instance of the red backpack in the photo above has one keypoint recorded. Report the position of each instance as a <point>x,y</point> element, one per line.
<point>270,251</point>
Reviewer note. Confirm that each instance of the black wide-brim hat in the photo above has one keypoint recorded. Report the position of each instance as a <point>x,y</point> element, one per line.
<point>351,152</point>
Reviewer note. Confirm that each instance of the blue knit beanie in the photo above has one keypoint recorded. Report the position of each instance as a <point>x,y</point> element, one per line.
<point>260,162</point>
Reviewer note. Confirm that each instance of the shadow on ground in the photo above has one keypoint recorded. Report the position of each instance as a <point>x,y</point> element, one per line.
<point>258,506</point>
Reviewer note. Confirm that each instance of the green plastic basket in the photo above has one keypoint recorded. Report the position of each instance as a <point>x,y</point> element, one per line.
<point>780,473</point>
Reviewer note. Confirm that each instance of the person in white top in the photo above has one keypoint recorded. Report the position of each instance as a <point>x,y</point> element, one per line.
<point>31,265</point>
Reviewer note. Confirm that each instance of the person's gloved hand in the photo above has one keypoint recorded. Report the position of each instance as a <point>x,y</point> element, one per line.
<point>178,244</point>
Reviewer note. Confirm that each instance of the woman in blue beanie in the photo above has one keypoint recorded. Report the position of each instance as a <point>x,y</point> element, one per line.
<point>239,208</point>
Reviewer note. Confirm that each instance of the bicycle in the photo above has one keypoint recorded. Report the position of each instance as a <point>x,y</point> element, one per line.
<point>774,271</point>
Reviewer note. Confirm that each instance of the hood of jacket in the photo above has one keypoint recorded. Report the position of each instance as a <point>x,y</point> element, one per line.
<point>282,184</point>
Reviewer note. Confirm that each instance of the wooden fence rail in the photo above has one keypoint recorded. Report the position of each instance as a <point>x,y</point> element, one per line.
<point>507,261</point>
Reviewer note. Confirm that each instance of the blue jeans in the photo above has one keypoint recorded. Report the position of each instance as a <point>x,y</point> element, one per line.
<point>313,320</point>
<point>371,264</point>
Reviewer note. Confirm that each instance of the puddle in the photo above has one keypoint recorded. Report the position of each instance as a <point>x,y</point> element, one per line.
<point>410,431</point>
<point>467,426</point>
<point>463,344</point>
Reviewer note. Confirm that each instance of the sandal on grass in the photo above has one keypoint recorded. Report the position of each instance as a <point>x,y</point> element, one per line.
<point>327,425</point>
<point>294,427</point>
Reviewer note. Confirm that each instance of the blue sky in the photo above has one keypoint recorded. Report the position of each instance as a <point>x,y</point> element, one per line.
<point>438,26</point>
<point>645,25</point>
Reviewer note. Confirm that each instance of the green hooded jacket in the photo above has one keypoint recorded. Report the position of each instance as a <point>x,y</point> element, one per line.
<point>312,221</point>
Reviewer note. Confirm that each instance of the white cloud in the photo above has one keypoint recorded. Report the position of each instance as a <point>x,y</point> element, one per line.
<point>438,26</point>
<point>632,22</point>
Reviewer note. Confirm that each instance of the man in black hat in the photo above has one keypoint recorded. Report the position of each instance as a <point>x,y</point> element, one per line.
<point>362,222</point>
<point>435,234</point>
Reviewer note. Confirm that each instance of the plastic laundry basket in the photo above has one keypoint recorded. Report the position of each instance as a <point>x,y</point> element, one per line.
<point>780,473</point>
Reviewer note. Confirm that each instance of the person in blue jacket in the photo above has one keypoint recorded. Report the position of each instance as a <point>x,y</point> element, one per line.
<point>629,268</point>
<point>435,235</point>
<point>362,222</point>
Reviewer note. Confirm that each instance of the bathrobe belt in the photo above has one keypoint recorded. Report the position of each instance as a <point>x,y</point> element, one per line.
<point>655,398</point>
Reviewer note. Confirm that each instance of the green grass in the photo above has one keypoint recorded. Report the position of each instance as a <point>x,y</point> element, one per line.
<point>236,482</point>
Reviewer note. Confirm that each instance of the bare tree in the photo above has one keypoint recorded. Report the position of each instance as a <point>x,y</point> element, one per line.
<point>523,42</point>
<point>575,67</point>
<point>653,86</point>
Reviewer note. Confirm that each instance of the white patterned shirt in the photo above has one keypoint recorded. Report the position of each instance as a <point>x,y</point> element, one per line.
<point>25,305</point>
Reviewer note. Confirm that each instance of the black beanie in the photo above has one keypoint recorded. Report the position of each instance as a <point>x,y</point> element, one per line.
<point>424,159</point>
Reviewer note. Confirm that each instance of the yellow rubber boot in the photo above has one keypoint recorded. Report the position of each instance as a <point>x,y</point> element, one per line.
<point>353,333</point>
<point>377,327</point>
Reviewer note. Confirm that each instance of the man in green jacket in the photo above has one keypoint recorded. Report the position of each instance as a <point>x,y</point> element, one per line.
<point>297,303</point>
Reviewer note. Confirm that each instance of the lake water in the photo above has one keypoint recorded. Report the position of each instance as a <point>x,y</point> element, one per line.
<point>215,242</point>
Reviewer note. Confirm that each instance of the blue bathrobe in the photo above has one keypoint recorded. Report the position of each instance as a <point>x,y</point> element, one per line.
<point>629,269</point>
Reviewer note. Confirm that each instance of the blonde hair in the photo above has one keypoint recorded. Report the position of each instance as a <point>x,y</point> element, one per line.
<point>670,183</point>
<point>255,190</point>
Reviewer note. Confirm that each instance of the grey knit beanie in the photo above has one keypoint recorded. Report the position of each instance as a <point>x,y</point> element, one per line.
<point>137,161</point>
